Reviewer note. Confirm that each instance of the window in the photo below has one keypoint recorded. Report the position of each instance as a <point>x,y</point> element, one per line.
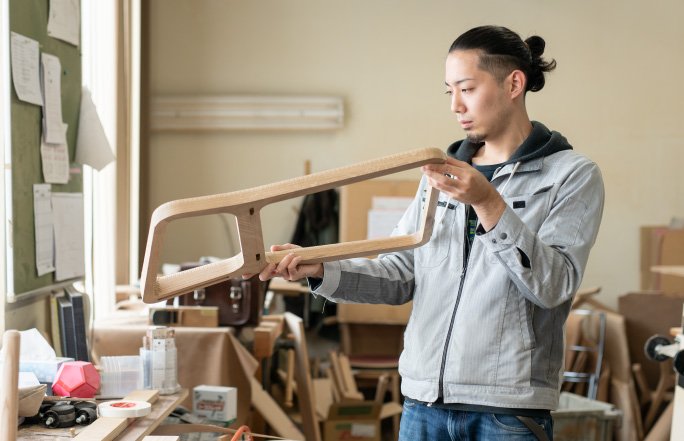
<point>110,40</point>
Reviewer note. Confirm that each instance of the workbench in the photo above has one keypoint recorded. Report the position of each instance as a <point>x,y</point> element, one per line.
<point>137,429</point>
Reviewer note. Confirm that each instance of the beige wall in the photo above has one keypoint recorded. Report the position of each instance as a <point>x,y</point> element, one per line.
<point>616,95</point>
<point>30,314</point>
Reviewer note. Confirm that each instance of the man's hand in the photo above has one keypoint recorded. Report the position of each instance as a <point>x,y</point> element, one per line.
<point>463,183</point>
<point>290,268</point>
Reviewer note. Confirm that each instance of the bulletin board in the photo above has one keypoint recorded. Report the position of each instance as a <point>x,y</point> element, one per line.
<point>30,18</point>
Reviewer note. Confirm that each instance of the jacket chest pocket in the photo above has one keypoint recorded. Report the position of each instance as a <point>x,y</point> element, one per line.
<point>532,208</point>
<point>435,252</point>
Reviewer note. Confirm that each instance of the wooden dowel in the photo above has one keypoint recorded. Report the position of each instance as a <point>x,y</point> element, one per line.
<point>289,377</point>
<point>9,390</point>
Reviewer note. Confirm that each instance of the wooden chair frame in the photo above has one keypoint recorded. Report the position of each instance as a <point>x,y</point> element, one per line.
<point>246,205</point>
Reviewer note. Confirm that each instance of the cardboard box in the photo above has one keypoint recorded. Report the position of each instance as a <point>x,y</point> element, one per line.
<point>648,314</point>
<point>216,403</point>
<point>353,421</point>
<point>661,245</point>
<point>198,316</point>
<point>375,314</point>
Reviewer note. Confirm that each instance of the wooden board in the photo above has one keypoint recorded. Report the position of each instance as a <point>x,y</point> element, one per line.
<point>273,414</point>
<point>305,395</point>
<point>129,429</point>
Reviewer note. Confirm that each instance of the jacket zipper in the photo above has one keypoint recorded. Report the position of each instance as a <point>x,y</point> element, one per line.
<point>466,254</point>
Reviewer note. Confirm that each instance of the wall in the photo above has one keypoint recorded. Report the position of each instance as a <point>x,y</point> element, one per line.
<point>616,95</point>
<point>29,314</point>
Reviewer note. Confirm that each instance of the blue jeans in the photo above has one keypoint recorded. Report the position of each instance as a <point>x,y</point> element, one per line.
<point>420,422</point>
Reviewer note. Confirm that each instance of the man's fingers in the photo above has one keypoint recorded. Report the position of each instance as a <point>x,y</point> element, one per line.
<point>457,163</point>
<point>285,246</point>
<point>287,268</point>
<point>293,269</point>
<point>285,263</point>
<point>443,170</point>
<point>450,164</point>
<point>267,273</point>
<point>442,181</point>
<point>290,266</point>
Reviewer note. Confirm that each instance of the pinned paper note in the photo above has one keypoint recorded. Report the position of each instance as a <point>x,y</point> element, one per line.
<point>92,146</point>
<point>55,160</point>
<point>67,213</point>
<point>42,215</point>
<point>26,69</point>
<point>64,21</point>
<point>53,126</point>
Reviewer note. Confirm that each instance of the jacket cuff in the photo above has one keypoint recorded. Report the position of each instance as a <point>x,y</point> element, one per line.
<point>504,234</point>
<point>330,281</point>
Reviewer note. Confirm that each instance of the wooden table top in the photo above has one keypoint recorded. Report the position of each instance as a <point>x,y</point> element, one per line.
<point>137,428</point>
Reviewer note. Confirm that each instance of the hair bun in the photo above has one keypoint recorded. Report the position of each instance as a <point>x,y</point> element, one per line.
<point>502,51</point>
<point>536,45</point>
<point>538,66</point>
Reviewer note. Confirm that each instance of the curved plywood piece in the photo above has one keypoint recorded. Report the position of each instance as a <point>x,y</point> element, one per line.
<point>246,205</point>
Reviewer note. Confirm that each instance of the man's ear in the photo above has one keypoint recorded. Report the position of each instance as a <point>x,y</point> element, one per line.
<point>517,83</point>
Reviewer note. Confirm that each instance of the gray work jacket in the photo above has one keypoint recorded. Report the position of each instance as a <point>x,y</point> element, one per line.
<point>488,331</point>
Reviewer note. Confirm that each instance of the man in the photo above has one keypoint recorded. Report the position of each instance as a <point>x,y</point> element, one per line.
<point>519,211</point>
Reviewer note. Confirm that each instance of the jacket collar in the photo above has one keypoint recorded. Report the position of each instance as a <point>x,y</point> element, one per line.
<point>540,142</point>
<point>529,166</point>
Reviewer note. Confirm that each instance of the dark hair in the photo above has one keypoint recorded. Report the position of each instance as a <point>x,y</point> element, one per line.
<point>502,51</point>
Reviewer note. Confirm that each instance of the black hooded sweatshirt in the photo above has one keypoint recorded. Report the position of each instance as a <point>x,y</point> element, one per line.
<point>540,142</point>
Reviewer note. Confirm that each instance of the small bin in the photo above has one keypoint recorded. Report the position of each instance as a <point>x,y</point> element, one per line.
<point>580,418</point>
<point>119,376</point>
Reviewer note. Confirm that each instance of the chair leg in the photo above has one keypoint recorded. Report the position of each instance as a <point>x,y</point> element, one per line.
<point>396,398</point>
<point>395,426</point>
<point>381,388</point>
<point>665,381</point>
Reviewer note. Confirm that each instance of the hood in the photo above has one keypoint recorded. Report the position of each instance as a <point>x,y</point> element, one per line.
<point>541,142</point>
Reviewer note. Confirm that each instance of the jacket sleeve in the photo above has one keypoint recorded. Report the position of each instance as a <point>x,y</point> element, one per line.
<point>547,266</point>
<point>387,279</point>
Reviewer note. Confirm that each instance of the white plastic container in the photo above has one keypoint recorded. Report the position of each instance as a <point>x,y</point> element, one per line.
<point>159,361</point>
<point>119,376</point>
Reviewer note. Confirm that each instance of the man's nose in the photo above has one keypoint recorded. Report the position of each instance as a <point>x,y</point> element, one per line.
<point>456,103</point>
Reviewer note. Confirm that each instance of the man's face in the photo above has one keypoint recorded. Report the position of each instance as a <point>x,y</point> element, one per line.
<point>477,98</point>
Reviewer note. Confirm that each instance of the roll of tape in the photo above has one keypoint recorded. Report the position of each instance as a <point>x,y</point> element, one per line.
<point>124,409</point>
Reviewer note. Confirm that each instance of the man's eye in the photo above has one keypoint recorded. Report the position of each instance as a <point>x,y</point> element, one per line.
<point>466,90</point>
<point>448,92</point>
